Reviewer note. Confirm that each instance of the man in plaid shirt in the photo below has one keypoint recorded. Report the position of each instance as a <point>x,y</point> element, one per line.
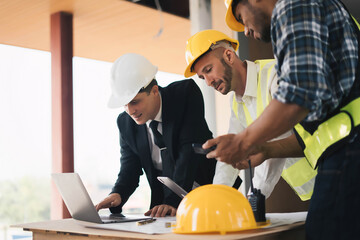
<point>315,43</point>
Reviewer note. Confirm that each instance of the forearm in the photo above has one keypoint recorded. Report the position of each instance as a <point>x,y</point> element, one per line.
<point>276,119</point>
<point>283,148</point>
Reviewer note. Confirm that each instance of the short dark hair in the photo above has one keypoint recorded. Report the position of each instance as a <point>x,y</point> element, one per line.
<point>234,5</point>
<point>148,88</point>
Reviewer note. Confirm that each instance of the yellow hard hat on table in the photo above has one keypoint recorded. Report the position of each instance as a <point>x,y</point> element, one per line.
<point>214,209</point>
<point>230,19</point>
<point>200,43</point>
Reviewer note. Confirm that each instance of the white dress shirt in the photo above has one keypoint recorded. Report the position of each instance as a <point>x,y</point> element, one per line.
<point>154,149</point>
<point>267,174</point>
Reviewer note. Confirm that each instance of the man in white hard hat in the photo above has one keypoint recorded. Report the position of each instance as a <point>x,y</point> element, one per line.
<point>157,130</point>
<point>211,55</point>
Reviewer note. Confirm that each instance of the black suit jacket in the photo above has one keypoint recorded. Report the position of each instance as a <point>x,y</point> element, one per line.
<point>183,123</point>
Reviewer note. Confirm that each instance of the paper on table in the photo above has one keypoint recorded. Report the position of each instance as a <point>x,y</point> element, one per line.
<point>157,227</point>
<point>278,219</point>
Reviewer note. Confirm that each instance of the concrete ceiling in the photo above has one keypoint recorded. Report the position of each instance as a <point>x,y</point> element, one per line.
<point>103,30</point>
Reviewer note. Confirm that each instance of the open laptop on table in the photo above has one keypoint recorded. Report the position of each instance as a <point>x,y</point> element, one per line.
<point>78,201</point>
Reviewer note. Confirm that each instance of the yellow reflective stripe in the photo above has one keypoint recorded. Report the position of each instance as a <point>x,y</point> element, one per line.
<point>263,62</point>
<point>357,24</point>
<point>235,107</point>
<point>300,176</point>
<point>353,108</point>
<point>328,133</point>
<point>263,93</point>
<point>248,117</point>
<point>306,137</point>
<point>259,103</point>
<point>306,187</point>
<point>265,68</point>
<point>332,131</point>
<point>298,172</point>
<point>268,96</point>
<point>306,197</point>
<point>245,111</point>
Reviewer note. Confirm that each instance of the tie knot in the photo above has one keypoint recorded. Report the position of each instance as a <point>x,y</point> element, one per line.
<point>157,135</point>
<point>154,124</point>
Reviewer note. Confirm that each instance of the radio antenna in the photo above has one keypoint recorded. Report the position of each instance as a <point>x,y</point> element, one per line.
<point>251,181</point>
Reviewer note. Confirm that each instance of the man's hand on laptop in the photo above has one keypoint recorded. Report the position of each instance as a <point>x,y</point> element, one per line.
<point>161,211</point>
<point>113,200</point>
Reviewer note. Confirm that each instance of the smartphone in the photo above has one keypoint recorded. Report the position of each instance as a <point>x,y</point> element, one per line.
<point>199,150</point>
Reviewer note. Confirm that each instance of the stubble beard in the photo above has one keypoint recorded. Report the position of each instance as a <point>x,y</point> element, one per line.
<point>262,20</point>
<point>227,77</point>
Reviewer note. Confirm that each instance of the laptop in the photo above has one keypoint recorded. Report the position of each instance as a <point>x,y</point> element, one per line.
<point>79,204</point>
<point>175,187</point>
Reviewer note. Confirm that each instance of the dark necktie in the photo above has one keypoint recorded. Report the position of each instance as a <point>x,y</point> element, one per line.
<point>167,166</point>
<point>158,138</point>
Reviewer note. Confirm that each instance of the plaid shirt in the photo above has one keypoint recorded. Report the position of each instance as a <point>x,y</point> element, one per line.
<point>316,48</point>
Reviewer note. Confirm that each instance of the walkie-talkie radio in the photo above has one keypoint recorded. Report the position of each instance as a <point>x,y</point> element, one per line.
<point>257,201</point>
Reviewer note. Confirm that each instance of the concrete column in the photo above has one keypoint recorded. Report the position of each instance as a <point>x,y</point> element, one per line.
<point>200,17</point>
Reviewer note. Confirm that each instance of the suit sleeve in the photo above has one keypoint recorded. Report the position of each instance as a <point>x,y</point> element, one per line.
<point>130,170</point>
<point>192,128</point>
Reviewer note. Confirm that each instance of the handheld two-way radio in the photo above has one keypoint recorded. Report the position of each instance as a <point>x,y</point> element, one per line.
<point>257,201</point>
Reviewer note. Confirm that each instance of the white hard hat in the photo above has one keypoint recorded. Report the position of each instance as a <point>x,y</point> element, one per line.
<point>129,74</point>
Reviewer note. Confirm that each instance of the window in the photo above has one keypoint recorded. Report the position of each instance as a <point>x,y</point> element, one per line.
<point>25,138</point>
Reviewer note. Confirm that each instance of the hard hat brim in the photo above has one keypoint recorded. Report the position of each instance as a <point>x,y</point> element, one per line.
<point>188,73</point>
<point>116,102</point>
<point>179,230</point>
<point>231,21</point>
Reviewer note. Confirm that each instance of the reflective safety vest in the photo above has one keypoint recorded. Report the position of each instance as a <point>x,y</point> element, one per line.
<point>332,133</point>
<point>297,172</point>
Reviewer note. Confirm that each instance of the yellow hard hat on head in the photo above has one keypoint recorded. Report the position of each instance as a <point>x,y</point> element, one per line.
<point>200,43</point>
<point>214,208</point>
<point>230,19</point>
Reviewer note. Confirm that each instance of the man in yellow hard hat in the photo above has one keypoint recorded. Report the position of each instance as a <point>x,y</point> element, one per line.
<point>211,55</point>
<point>316,44</point>
<point>157,130</point>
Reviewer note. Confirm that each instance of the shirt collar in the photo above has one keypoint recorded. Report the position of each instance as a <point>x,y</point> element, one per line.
<point>251,82</point>
<point>158,116</point>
